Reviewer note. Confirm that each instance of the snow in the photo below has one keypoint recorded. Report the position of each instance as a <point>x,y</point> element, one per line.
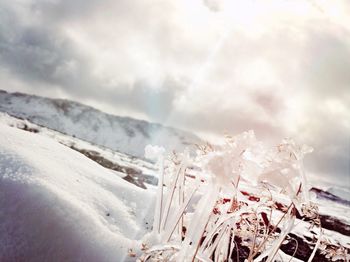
<point>302,228</point>
<point>341,192</point>
<point>334,209</point>
<point>122,134</point>
<point>58,205</point>
<point>281,257</point>
<point>69,141</point>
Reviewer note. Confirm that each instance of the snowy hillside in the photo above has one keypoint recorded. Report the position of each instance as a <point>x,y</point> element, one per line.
<point>58,205</point>
<point>118,133</point>
<point>132,169</point>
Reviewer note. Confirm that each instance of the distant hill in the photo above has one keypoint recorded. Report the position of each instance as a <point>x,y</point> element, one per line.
<point>123,134</point>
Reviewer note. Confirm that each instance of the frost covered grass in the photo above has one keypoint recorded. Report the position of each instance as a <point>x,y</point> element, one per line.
<point>235,202</point>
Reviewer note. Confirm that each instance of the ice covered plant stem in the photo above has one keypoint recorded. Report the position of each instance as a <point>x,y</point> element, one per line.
<point>156,153</point>
<point>236,199</point>
<point>180,173</point>
<point>198,225</point>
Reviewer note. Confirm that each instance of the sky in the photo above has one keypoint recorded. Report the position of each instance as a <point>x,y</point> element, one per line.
<point>279,67</point>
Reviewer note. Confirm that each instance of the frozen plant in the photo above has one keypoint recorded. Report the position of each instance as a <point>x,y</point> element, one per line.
<point>156,153</point>
<point>233,202</point>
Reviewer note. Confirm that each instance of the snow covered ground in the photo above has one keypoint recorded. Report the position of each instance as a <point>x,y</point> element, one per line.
<point>126,166</point>
<point>58,205</point>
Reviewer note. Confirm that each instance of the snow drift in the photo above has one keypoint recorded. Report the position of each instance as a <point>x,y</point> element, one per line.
<point>57,205</point>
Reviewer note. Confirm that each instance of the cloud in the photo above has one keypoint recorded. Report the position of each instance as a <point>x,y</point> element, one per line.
<point>208,66</point>
<point>155,102</point>
<point>327,129</point>
<point>39,53</point>
<point>327,62</point>
<point>212,5</point>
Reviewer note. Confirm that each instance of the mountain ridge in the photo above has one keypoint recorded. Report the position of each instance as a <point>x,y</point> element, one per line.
<point>119,133</point>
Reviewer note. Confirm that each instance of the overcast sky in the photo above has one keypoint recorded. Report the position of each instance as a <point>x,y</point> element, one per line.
<point>281,68</point>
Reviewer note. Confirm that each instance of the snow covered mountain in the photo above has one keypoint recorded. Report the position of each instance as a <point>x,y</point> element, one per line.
<point>123,134</point>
